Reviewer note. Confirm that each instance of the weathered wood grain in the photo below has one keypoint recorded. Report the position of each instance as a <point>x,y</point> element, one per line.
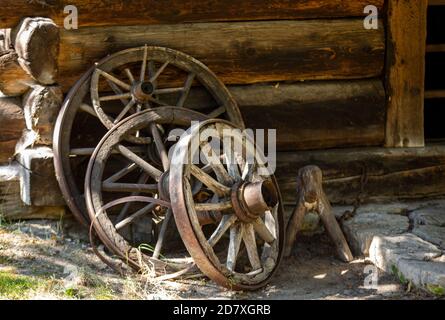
<point>392,173</point>
<point>406,72</point>
<point>316,115</point>
<point>12,123</point>
<point>41,107</point>
<point>37,46</point>
<point>14,81</point>
<point>241,52</point>
<point>137,12</point>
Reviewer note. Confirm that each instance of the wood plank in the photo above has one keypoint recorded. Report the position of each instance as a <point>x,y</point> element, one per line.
<point>241,52</point>
<point>406,72</point>
<point>393,173</point>
<point>137,12</point>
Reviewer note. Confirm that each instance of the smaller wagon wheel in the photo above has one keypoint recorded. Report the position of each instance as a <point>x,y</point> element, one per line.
<point>148,77</point>
<point>243,247</point>
<point>135,194</point>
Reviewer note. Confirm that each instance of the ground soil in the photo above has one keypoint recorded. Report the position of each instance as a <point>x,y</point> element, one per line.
<point>44,254</point>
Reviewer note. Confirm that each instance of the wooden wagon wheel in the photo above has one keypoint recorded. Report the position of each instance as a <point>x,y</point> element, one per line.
<point>84,111</point>
<point>138,189</point>
<point>244,248</point>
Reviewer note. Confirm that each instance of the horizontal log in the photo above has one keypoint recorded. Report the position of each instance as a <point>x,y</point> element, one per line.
<point>241,52</point>
<point>391,173</point>
<point>137,12</point>
<point>12,123</point>
<point>316,115</point>
<point>310,115</point>
<point>14,81</point>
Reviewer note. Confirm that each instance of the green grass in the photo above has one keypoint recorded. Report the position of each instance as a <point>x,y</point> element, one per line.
<point>437,290</point>
<point>14,286</point>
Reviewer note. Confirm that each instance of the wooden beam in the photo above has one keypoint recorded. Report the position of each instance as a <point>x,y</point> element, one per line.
<point>434,94</point>
<point>435,47</point>
<point>241,52</point>
<point>406,72</point>
<point>391,173</point>
<point>143,12</point>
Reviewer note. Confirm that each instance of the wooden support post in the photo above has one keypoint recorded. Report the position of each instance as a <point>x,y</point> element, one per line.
<point>310,196</point>
<point>406,44</point>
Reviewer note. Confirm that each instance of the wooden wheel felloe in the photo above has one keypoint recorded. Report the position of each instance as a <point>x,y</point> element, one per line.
<point>86,115</point>
<point>243,247</point>
<point>135,193</point>
<point>148,89</point>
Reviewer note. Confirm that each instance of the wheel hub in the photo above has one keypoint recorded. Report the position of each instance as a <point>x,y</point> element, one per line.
<point>251,200</point>
<point>142,91</point>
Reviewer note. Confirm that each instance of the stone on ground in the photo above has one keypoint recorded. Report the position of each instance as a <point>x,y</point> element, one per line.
<point>365,225</point>
<point>410,258</point>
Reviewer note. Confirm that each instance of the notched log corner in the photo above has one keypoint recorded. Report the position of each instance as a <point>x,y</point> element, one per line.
<point>311,197</point>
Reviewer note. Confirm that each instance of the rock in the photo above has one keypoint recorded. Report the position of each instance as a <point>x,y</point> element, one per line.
<point>429,224</point>
<point>410,257</point>
<point>428,216</point>
<point>431,233</point>
<point>364,226</point>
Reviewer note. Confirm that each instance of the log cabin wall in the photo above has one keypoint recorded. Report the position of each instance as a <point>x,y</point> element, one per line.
<point>308,68</point>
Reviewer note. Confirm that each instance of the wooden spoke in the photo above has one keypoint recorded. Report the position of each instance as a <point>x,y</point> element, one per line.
<point>215,162</point>
<point>121,173</point>
<point>217,112</point>
<point>263,231</point>
<point>117,90</point>
<point>120,83</point>
<point>250,243</point>
<point>124,111</point>
<point>129,75</point>
<point>144,65</point>
<point>232,166</point>
<point>115,97</point>
<point>88,109</point>
<point>247,171</point>
<point>135,216</point>
<point>168,90</point>
<point>211,183</point>
<point>219,206</point>
<point>187,85</point>
<point>152,171</point>
<point>160,146</point>
<point>89,151</point>
<point>129,187</point>
<point>157,101</point>
<point>160,70</point>
<point>161,237</point>
<point>226,222</point>
<point>269,221</point>
<point>123,213</point>
<point>236,235</point>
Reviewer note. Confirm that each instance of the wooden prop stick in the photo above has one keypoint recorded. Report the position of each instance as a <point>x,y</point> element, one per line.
<point>310,196</point>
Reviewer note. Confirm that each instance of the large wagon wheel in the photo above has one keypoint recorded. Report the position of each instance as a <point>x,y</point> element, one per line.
<point>245,248</point>
<point>136,191</point>
<point>137,78</point>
